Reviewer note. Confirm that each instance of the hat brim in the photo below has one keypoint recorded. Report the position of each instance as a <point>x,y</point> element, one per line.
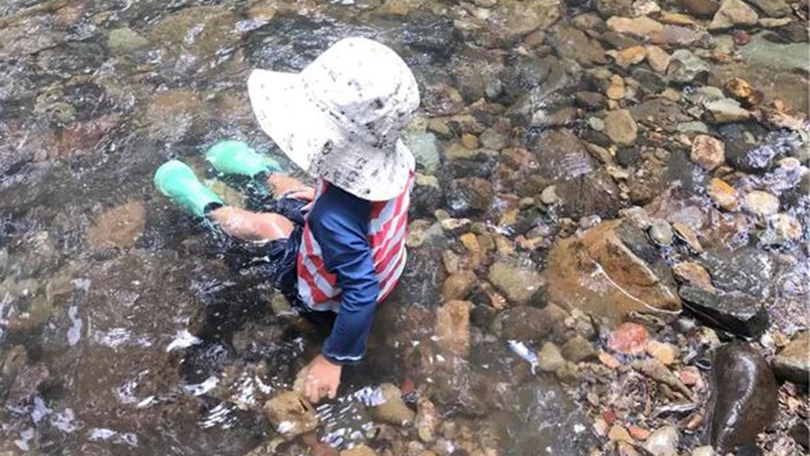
<point>317,145</point>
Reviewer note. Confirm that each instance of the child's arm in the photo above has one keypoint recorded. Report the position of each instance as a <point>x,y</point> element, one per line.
<point>339,222</point>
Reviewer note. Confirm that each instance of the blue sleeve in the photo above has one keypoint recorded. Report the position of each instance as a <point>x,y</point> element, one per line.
<point>339,221</point>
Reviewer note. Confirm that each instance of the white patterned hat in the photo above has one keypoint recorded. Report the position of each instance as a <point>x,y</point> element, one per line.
<point>341,117</point>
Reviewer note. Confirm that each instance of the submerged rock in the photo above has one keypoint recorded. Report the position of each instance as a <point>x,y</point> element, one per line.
<point>733,13</point>
<point>519,282</point>
<point>291,414</point>
<point>120,227</point>
<point>125,40</point>
<point>610,270</point>
<point>452,330</point>
<point>542,417</point>
<point>793,362</point>
<point>744,399</point>
<point>621,128</point>
<point>663,442</point>
<point>469,196</point>
<point>393,410</point>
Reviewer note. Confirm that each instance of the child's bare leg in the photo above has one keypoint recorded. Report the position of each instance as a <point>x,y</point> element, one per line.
<point>251,226</point>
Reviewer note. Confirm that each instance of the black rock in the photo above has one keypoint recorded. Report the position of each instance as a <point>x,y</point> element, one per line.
<point>735,312</point>
<point>800,432</point>
<point>627,156</point>
<point>744,399</point>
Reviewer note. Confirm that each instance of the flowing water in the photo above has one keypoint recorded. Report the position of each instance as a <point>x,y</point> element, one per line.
<point>128,328</point>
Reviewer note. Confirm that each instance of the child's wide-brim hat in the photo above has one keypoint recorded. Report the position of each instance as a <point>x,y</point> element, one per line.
<point>341,117</point>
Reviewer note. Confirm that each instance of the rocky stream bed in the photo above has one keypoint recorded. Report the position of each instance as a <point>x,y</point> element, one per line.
<point>608,248</point>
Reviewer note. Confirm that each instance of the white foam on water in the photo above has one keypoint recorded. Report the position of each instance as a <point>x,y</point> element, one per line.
<point>183,339</point>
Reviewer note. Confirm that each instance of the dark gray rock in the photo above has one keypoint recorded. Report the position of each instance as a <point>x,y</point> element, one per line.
<point>745,270</point>
<point>544,417</point>
<point>744,399</point>
<point>801,434</point>
<point>735,312</point>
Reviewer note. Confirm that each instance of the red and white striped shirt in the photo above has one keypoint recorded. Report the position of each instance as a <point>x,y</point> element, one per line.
<point>387,230</point>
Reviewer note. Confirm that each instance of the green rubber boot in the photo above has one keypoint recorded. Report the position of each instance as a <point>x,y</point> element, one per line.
<point>177,181</point>
<point>236,157</point>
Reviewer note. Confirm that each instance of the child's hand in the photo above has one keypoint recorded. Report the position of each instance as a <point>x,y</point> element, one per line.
<point>321,378</point>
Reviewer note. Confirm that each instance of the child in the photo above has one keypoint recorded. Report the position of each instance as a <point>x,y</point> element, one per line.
<point>339,247</point>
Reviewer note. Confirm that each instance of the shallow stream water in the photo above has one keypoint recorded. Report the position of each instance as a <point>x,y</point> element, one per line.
<point>130,329</point>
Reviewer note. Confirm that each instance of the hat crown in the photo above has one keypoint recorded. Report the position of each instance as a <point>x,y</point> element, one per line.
<point>364,87</point>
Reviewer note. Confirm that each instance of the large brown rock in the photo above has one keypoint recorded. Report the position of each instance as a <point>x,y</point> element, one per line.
<point>610,270</point>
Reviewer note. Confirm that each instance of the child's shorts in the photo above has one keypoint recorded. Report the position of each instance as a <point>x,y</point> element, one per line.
<point>278,260</point>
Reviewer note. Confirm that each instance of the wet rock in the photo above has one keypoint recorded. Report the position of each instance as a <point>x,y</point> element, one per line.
<point>793,362</point>
<point>360,450</point>
<point>424,147</point>
<point>761,203</point>
<point>543,417</point>
<point>782,230</point>
<point>658,59</point>
<point>663,442</point>
<point>658,113</point>
<point>572,43</point>
<point>618,433</point>
<point>734,311</point>
<point>703,451</point>
<point>578,349</point>
<point>674,35</point>
<point>762,53</point>
<point>747,270</point>
<point>743,91</point>
<point>469,196</point>
<point>610,270</point>
<point>427,420</point>
<point>614,7</point>
<point>549,359</point>
<point>518,281</point>
<point>663,352</point>
<point>118,227</point>
<point>657,371</point>
<point>700,8</point>
<point>291,414</point>
<point>493,140</point>
<point>686,67</point>
<point>723,195</point>
<point>800,433</point>
<point>726,110</point>
<point>628,339</point>
<point>526,323</point>
<point>629,56</point>
<point>620,127</point>
<point>591,101</point>
<point>524,74</point>
<point>661,232</point>
<point>642,27</point>
<point>452,330</point>
<point>393,410</point>
<point>513,19</point>
<point>694,274</point>
<point>459,285</point>
<point>773,8</point>
<point>744,397</point>
<point>442,100</point>
<point>28,381</point>
<point>124,41</point>
<point>733,13</point>
<point>708,152</point>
